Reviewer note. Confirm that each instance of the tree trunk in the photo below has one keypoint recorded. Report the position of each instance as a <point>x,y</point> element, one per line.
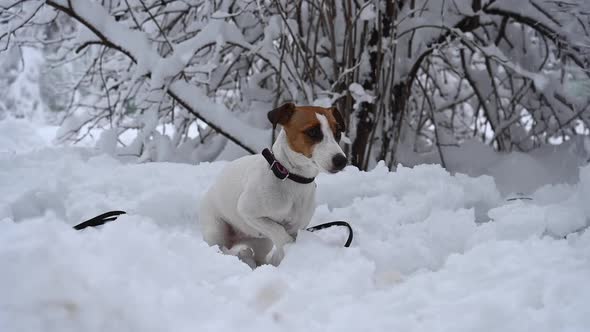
<point>367,113</point>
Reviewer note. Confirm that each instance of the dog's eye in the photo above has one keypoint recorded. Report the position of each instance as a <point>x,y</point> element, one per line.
<point>315,133</point>
<point>338,136</point>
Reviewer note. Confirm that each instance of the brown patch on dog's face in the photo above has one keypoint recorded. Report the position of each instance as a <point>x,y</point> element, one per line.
<point>303,128</point>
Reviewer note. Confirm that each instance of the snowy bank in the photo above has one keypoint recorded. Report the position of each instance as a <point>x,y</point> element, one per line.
<point>432,252</point>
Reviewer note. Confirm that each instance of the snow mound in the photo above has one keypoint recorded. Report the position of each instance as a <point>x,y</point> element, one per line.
<point>19,135</point>
<point>432,252</point>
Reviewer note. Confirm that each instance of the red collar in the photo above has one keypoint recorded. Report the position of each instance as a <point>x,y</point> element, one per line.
<point>281,171</point>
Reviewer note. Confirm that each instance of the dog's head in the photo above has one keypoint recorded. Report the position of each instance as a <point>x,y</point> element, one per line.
<point>313,132</point>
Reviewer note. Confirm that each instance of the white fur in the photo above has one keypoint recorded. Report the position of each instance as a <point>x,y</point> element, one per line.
<point>263,211</point>
<point>325,150</point>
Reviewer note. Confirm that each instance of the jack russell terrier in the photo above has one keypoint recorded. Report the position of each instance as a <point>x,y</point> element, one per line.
<point>260,202</point>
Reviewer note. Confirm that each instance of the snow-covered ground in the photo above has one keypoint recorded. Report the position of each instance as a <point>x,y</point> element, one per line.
<point>432,251</point>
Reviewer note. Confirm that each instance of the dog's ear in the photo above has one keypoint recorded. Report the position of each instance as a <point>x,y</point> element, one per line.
<point>281,114</point>
<point>339,119</point>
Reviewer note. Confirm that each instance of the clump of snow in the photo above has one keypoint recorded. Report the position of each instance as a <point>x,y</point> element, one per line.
<point>514,173</point>
<point>107,142</point>
<point>368,13</point>
<point>359,94</point>
<point>432,251</point>
<point>19,135</point>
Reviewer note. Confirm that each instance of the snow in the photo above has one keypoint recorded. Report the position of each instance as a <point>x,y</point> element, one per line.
<point>226,61</point>
<point>19,135</point>
<point>360,95</point>
<point>368,12</point>
<point>432,251</point>
<point>136,45</point>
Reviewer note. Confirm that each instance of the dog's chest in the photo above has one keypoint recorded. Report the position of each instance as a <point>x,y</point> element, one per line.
<point>302,207</point>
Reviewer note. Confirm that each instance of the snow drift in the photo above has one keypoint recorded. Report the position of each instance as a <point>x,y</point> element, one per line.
<point>432,252</point>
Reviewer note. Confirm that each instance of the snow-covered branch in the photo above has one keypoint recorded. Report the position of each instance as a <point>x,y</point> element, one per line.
<point>136,45</point>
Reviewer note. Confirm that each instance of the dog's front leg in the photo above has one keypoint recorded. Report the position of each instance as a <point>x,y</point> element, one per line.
<point>261,212</point>
<point>273,231</point>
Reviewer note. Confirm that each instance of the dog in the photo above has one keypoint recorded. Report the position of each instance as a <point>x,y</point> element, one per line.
<point>259,203</point>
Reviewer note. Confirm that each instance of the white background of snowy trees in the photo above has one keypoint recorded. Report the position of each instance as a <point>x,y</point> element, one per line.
<point>192,80</point>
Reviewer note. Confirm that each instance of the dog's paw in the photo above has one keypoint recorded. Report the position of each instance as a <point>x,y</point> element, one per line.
<point>283,240</point>
<point>275,256</point>
<point>243,252</point>
<point>248,260</point>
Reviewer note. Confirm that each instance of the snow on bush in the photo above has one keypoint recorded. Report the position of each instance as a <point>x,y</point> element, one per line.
<point>428,75</point>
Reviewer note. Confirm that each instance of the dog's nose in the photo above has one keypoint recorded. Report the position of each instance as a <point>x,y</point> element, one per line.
<point>339,161</point>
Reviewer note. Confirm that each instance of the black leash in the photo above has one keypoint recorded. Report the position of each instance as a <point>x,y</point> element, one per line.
<point>331,224</point>
<point>112,215</point>
<point>99,220</point>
